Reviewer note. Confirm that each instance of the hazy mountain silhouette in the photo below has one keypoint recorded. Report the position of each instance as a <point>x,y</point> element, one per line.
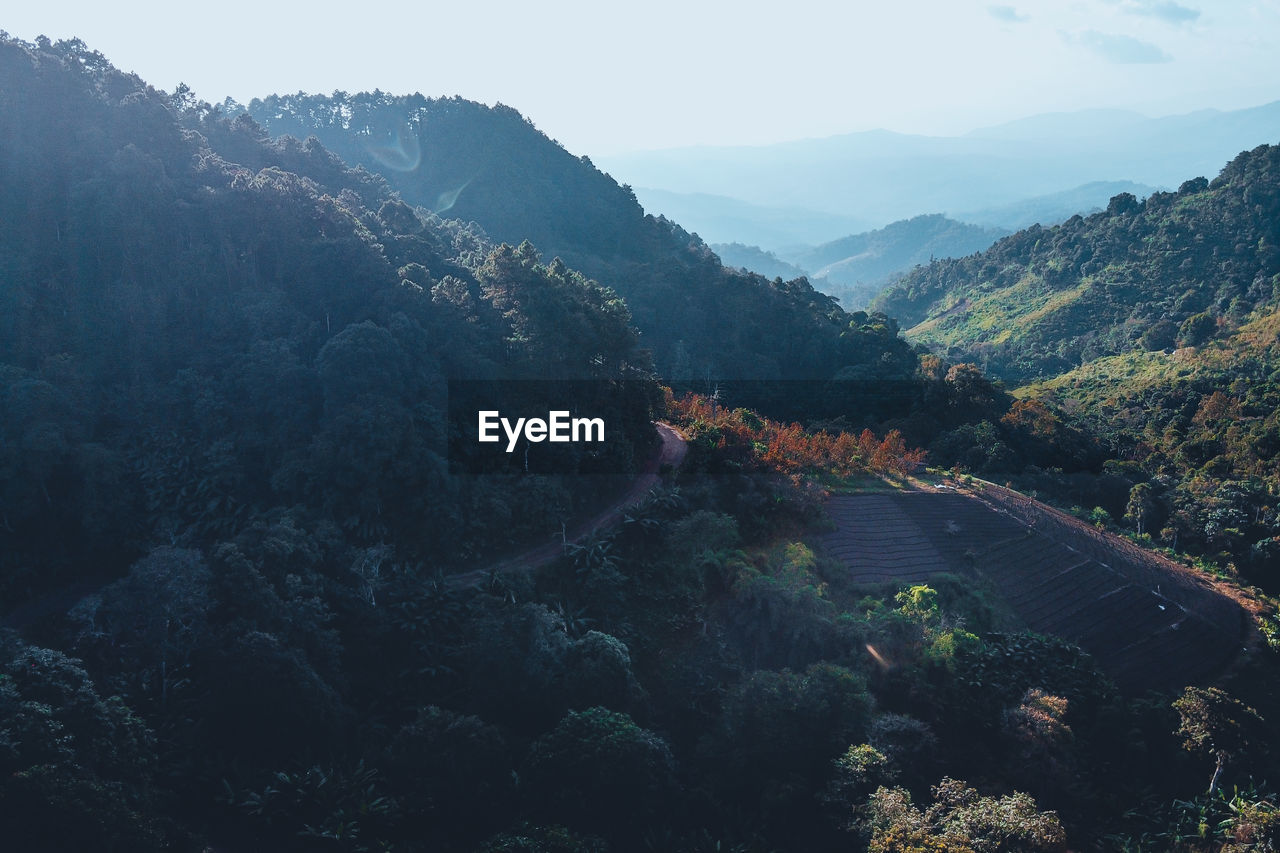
<point>720,219</point>
<point>1055,207</point>
<point>880,176</point>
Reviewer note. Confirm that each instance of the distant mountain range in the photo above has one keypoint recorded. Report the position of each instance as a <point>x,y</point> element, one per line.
<point>879,176</point>
<point>720,220</point>
<point>857,267</point>
<point>1055,207</point>
<point>757,260</point>
<point>854,269</point>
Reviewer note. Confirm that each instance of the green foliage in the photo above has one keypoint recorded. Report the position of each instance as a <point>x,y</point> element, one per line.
<point>267,352</point>
<point>1225,821</point>
<point>779,612</point>
<point>960,820</point>
<point>76,770</point>
<point>1197,329</point>
<point>543,839</point>
<point>861,766</point>
<point>777,735</point>
<point>909,747</point>
<point>998,674</point>
<point>1093,309</point>
<point>1217,724</point>
<point>450,770</point>
<point>919,603</point>
<point>598,769</point>
<point>320,809</point>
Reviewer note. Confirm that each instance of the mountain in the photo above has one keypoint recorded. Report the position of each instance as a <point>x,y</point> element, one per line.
<point>880,176</point>
<point>757,260</point>
<point>259,609</point>
<point>1080,124</point>
<point>1055,207</point>
<point>858,266</point>
<point>1179,269</point>
<point>1152,327</point>
<point>203,332</point>
<point>491,166</point>
<point>227,498</point>
<point>719,219</point>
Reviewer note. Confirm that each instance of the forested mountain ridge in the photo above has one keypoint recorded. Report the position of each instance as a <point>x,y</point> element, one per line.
<point>195,337</point>
<point>222,371</point>
<point>1054,208</point>
<point>860,265</point>
<point>222,367</point>
<point>472,162</point>
<point>1151,327</point>
<point>1178,269</point>
<point>755,259</point>
<point>492,166</point>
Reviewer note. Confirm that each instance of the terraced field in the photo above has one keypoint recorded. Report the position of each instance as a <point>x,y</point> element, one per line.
<point>1151,624</point>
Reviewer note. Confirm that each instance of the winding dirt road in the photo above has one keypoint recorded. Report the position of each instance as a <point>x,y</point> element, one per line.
<point>670,453</point>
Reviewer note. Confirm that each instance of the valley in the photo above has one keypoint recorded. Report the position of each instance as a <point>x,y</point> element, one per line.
<point>264,589</point>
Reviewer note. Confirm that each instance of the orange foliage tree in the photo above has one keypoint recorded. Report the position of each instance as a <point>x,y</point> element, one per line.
<point>789,448</point>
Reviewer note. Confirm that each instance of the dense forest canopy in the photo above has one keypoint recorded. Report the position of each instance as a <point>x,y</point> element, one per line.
<point>191,340</point>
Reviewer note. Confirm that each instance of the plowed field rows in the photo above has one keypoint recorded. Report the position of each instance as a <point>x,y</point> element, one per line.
<point>1150,625</point>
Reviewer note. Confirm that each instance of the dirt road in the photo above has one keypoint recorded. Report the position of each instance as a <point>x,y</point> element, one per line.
<point>670,453</point>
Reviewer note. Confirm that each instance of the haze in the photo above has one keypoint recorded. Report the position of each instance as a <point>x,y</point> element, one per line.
<point>604,79</point>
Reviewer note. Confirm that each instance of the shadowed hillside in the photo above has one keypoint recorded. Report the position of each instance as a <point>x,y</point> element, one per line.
<point>490,165</point>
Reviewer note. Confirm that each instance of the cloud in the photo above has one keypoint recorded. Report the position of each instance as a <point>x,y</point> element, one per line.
<point>1007,13</point>
<point>1164,10</point>
<point>1122,50</point>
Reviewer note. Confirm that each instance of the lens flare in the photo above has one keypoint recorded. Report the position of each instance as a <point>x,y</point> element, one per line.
<point>400,151</point>
<point>449,198</point>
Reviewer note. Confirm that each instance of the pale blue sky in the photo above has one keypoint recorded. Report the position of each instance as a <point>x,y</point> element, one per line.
<point>604,78</point>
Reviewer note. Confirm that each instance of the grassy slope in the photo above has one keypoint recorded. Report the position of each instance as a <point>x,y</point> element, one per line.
<point>1256,342</point>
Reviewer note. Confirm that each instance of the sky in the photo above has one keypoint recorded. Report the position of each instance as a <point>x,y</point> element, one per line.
<point>605,78</point>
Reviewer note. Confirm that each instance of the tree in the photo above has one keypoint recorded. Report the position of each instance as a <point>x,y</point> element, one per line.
<point>909,746</point>
<point>157,616</point>
<point>1217,724</point>
<point>75,768</point>
<point>778,734</point>
<point>1139,507</point>
<point>1196,329</point>
<point>960,820</point>
<point>598,769</point>
<point>451,770</point>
